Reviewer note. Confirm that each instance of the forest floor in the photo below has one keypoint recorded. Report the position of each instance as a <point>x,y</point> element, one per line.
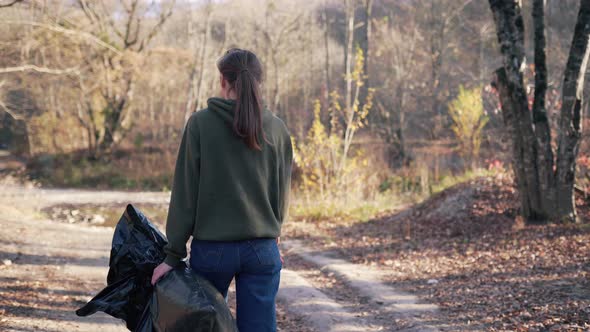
<point>466,251</point>
<point>460,260</point>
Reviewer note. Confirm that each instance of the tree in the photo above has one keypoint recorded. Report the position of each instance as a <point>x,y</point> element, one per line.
<point>131,36</point>
<point>326,39</point>
<point>275,30</point>
<point>398,52</point>
<point>348,57</point>
<point>195,91</point>
<point>365,44</point>
<point>545,182</point>
<point>353,114</point>
<point>440,16</point>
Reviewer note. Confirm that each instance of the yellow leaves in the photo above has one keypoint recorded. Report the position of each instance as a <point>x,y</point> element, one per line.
<point>358,72</point>
<point>314,155</point>
<point>296,153</point>
<point>364,112</point>
<point>323,155</point>
<point>318,131</point>
<point>319,155</point>
<point>469,119</point>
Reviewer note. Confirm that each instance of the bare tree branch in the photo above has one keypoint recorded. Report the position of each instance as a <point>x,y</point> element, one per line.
<point>9,3</point>
<point>131,12</point>
<point>163,17</point>
<point>66,31</point>
<point>23,68</point>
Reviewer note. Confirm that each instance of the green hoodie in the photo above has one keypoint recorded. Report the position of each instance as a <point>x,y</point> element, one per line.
<point>223,190</point>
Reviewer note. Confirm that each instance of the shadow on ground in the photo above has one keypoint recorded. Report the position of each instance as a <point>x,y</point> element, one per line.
<point>465,250</point>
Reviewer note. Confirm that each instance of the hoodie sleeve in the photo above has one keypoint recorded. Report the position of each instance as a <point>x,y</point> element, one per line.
<point>183,201</point>
<point>285,167</point>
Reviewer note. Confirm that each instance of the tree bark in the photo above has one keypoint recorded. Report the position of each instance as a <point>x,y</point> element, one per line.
<point>545,194</point>
<point>510,114</point>
<point>540,118</point>
<point>113,115</point>
<point>436,40</point>
<point>190,99</point>
<point>401,138</point>
<point>365,44</point>
<point>203,52</point>
<point>350,8</point>
<point>327,53</point>
<point>510,84</point>
<point>570,124</point>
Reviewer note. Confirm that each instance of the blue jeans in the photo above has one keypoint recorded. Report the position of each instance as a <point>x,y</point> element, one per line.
<point>256,265</point>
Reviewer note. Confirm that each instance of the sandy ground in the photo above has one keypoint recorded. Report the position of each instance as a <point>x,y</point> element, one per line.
<point>50,268</point>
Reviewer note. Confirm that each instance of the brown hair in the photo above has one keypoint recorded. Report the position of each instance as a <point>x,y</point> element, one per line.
<point>242,70</point>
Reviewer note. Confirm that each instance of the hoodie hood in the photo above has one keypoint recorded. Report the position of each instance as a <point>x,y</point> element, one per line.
<point>225,108</point>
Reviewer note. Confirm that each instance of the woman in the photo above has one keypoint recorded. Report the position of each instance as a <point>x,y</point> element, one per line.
<point>230,192</point>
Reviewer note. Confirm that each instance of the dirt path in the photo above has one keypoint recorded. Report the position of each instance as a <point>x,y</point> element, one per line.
<point>48,269</point>
<point>390,304</point>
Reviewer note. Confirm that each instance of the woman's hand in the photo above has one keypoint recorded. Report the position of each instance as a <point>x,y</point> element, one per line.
<point>160,271</point>
<point>280,255</point>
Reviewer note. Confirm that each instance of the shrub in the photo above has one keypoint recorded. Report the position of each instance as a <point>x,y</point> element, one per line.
<point>469,119</point>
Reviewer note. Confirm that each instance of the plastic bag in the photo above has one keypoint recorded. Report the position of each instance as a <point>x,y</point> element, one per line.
<point>137,248</point>
<point>185,302</point>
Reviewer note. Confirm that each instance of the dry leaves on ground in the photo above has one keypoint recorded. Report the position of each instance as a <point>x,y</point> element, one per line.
<point>465,250</point>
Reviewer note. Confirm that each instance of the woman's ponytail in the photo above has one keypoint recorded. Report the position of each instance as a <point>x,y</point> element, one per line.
<point>242,70</point>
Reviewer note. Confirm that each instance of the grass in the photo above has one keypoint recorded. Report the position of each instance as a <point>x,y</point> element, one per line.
<point>451,180</point>
<point>346,210</point>
<point>138,170</point>
<point>390,199</point>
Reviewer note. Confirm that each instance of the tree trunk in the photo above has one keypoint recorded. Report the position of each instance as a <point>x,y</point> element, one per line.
<point>199,93</point>
<point>190,94</point>
<point>513,97</point>
<point>400,132</point>
<point>90,127</point>
<point>327,55</point>
<point>570,124</point>
<point>113,116</point>
<point>268,51</point>
<point>521,152</point>
<point>365,44</point>
<point>276,104</point>
<point>545,194</point>
<point>540,118</point>
<point>348,57</point>
<point>436,40</point>
<point>190,103</point>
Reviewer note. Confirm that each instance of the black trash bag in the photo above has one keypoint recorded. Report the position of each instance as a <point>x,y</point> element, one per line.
<point>186,302</point>
<point>136,250</point>
<point>181,299</point>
